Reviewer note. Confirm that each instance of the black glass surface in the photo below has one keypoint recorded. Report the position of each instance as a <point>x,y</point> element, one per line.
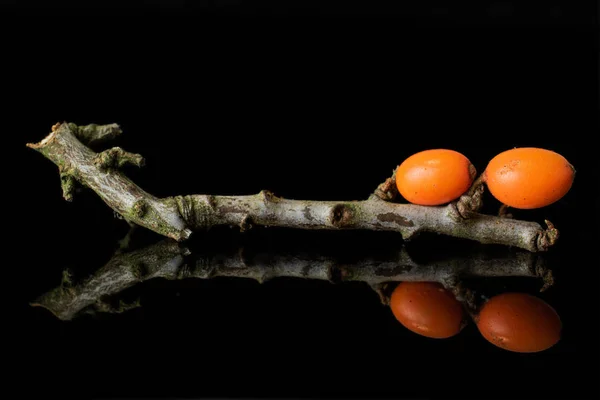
<point>309,102</point>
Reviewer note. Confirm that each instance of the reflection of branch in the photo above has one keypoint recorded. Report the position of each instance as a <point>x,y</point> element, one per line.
<point>122,271</point>
<point>176,217</point>
<point>166,260</point>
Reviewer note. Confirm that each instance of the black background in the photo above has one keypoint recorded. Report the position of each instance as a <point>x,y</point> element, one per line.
<point>308,100</point>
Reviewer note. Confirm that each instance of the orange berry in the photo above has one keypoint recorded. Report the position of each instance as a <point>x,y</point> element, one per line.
<point>434,177</point>
<point>529,177</point>
<point>519,322</point>
<point>428,309</point>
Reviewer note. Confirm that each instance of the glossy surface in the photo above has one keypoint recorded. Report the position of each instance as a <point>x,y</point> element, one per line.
<point>519,322</point>
<point>529,177</point>
<point>428,309</point>
<point>227,98</point>
<point>434,177</point>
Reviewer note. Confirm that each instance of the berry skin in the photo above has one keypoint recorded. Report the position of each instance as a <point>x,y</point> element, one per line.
<point>529,177</point>
<point>434,177</point>
<point>427,309</point>
<point>519,322</point>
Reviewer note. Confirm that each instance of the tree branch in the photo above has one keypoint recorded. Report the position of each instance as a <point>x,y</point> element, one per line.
<point>167,260</point>
<point>99,172</point>
<point>176,217</point>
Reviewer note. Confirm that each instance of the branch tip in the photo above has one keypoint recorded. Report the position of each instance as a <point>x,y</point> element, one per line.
<point>548,279</point>
<point>185,234</point>
<point>43,142</point>
<point>93,133</point>
<point>268,196</point>
<point>67,279</point>
<point>117,158</point>
<point>548,237</point>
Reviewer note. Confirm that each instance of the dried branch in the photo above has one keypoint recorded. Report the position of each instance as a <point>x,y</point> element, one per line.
<point>168,260</point>
<point>99,172</point>
<point>176,217</point>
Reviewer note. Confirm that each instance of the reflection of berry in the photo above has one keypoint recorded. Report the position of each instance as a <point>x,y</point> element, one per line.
<point>428,309</point>
<point>519,322</point>
<point>434,177</point>
<point>529,177</point>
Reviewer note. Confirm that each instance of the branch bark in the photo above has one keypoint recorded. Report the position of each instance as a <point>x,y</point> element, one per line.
<point>167,259</point>
<point>176,217</point>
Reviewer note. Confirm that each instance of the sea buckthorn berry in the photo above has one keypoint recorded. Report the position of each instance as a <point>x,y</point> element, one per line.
<point>519,322</point>
<point>427,309</point>
<point>529,177</point>
<point>434,177</point>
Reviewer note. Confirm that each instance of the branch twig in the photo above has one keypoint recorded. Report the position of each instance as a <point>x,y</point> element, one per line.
<point>167,259</point>
<point>176,217</point>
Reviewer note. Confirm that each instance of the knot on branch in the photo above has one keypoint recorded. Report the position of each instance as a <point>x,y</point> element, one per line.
<point>116,158</point>
<point>341,215</point>
<point>185,207</point>
<point>139,208</point>
<point>196,211</point>
<point>268,197</point>
<point>139,270</point>
<point>245,223</point>
<point>548,237</point>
